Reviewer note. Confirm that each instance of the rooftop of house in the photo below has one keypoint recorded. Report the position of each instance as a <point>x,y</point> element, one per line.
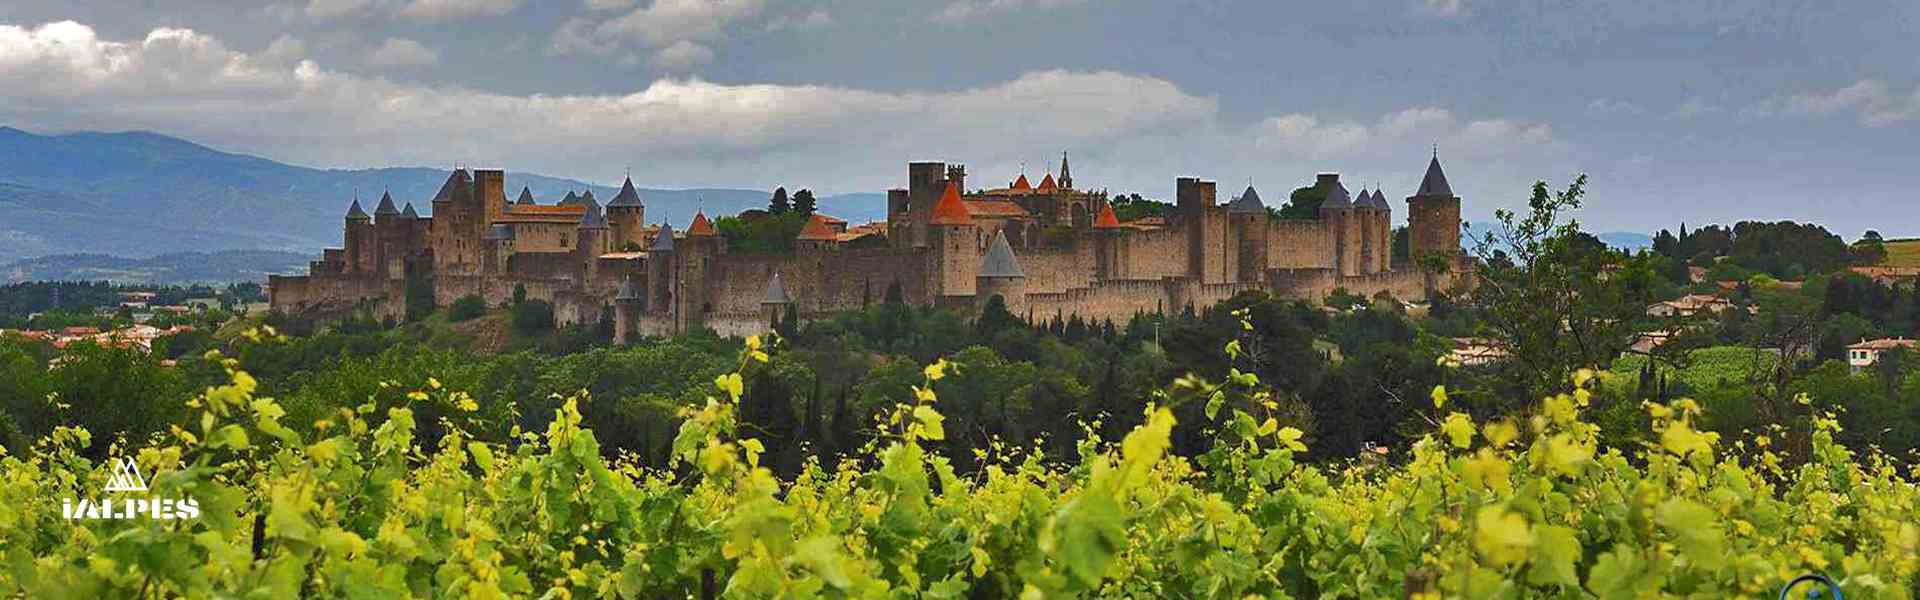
<point>1884,344</point>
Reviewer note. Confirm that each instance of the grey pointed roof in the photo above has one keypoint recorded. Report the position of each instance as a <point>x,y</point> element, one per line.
<point>776,291</point>
<point>1338,197</point>
<point>628,196</point>
<point>1000,261</point>
<point>571,198</point>
<point>408,212</point>
<point>587,196</point>
<point>1367,199</point>
<point>1248,203</point>
<point>664,241</point>
<point>593,218</point>
<point>500,231</point>
<point>526,196</point>
<point>386,205</point>
<point>458,179</point>
<point>628,291</point>
<point>354,211</point>
<point>1435,183</point>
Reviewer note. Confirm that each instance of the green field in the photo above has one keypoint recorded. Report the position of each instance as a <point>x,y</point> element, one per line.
<point>1903,253</point>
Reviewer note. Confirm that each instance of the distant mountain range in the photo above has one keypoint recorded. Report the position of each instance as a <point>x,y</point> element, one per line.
<point>178,268</point>
<point>140,194</point>
<point>1624,240</point>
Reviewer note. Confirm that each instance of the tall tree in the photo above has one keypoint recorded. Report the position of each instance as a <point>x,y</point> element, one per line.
<point>803,202</point>
<point>1553,299</point>
<point>779,204</point>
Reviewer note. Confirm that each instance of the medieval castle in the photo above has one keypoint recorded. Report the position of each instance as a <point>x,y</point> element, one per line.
<point>1046,250</point>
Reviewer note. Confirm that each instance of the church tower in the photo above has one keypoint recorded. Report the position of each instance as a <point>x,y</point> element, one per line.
<point>1066,172</point>
<point>592,240</point>
<point>626,215</point>
<point>1339,214</point>
<point>1433,217</point>
<point>663,279</point>
<point>359,234</point>
<point>956,245</point>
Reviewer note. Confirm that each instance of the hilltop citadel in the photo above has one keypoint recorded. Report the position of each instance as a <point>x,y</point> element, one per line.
<point>1046,250</point>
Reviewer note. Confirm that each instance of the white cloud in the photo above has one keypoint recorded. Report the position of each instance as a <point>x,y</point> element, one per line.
<point>575,36</point>
<point>285,49</point>
<point>446,10</point>
<point>402,53</point>
<point>62,76</point>
<point>664,23</point>
<point>1444,8</point>
<point>1308,136</point>
<point>965,10</point>
<point>807,22</point>
<point>681,56</point>
<point>1874,102</point>
<point>677,33</point>
<point>608,4</point>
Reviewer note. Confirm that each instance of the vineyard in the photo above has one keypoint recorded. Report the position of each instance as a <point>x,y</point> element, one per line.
<point>1529,506</point>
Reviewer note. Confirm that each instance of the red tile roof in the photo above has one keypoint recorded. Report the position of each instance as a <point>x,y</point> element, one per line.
<point>995,208</point>
<point>1107,219</point>
<point>1021,184</point>
<point>701,227</point>
<point>950,210</point>
<point>817,230</point>
<point>1047,184</point>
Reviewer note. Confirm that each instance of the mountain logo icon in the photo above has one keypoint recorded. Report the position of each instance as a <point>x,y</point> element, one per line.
<point>126,477</point>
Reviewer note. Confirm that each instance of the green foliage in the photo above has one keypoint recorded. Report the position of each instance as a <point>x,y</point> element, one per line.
<point>466,308</point>
<point>1304,202</point>
<point>532,317</point>
<point>372,505</point>
<point>804,203</point>
<point>769,234</point>
<point>779,204</point>
<point>419,295</point>
<point>1129,207</point>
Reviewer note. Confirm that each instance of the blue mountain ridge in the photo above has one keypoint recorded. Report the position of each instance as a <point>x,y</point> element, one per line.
<point>142,194</point>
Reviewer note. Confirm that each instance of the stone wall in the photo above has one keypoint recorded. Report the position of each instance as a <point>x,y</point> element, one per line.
<point>1299,244</point>
<point>1153,254</point>
<point>328,296</point>
<point>1113,299</point>
<point>1057,269</point>
<point>818,282</point>
<point>544,237</point>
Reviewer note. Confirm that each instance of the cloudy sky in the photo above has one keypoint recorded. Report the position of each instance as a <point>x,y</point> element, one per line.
<point>1699,111</point>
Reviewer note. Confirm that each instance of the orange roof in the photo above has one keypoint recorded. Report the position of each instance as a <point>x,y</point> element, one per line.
<point>1107,219</point>
<point>817,230</point>
<point>950,210</point>
<point>1021,184</point>
<point>832,220</point>
<point>994,208</point>
<point>701,227</point>
<point>1047,184</point>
